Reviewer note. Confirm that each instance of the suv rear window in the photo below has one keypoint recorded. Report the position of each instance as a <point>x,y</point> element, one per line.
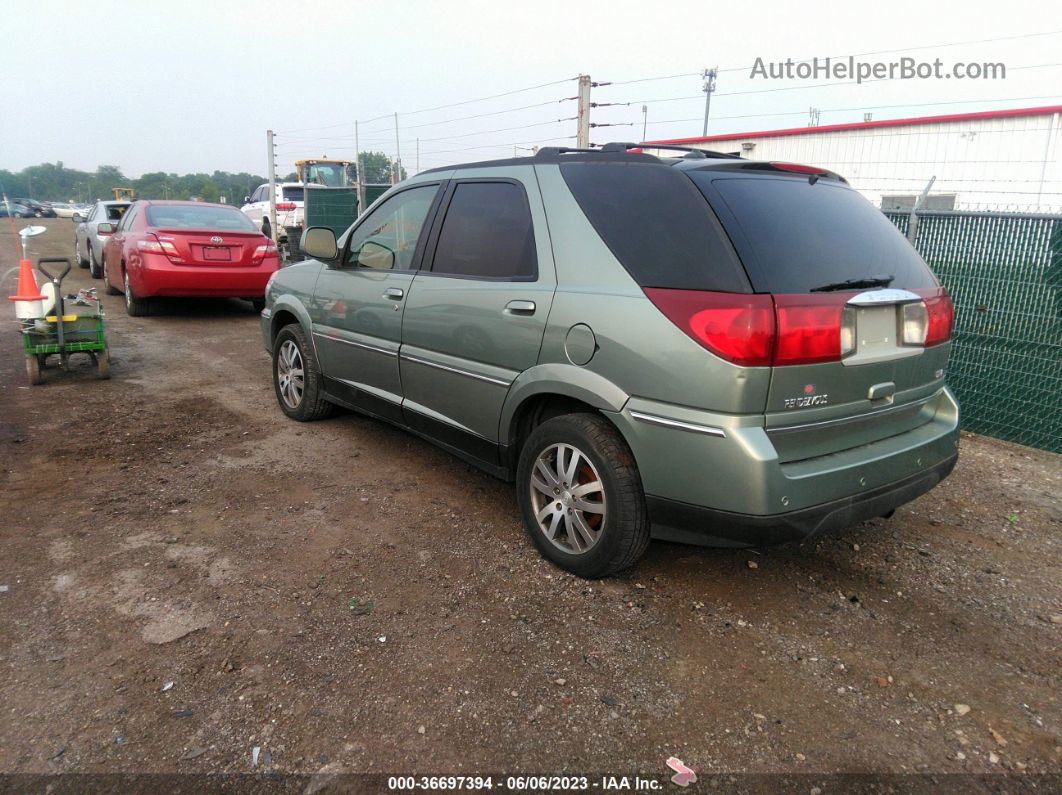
<point>292,194</point>
<point>656,224</point>
<point>794,236</point>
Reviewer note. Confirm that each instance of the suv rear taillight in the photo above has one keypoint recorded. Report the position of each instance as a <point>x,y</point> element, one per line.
<point>734,326</point>
<point>813,328</point>
<point>758,330</point>
<point>941,315</point>
<point>285,205</point>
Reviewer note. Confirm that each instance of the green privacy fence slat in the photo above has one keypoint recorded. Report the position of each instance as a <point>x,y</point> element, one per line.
<point>336,208</point>
<point>1004,273</point>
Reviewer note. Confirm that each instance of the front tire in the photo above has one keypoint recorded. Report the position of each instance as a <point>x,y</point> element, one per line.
<point>266,228</point>
<point>581,496</point>
<point>297,378</point>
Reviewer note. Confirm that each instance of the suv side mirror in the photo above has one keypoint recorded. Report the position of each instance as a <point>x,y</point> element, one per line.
<point>246,199</point>
<point>319,242</point>
<point>102,230</point>
<point>77,218</point>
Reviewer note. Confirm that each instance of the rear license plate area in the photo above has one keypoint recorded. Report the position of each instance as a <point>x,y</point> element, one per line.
<point>216,253</point>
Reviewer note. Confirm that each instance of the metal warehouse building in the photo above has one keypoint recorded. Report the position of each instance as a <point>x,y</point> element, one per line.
<point>994,160</point>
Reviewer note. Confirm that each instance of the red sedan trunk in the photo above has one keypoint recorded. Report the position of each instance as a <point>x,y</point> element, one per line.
<point>188,249</point>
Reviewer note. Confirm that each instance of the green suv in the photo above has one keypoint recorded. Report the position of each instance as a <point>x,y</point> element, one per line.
<point>702,348</point>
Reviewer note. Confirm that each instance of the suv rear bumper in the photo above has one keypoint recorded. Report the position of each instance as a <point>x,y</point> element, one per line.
<point>695,524</point>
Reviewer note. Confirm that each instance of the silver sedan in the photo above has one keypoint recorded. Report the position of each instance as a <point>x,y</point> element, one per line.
<point>88,245</point>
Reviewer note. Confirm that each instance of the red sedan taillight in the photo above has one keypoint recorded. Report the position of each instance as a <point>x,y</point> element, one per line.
<point>265,250</point>
<point>151,244</point>
<point>758,330</point>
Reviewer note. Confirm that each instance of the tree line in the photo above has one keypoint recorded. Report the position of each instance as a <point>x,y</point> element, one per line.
<point>56,182</point>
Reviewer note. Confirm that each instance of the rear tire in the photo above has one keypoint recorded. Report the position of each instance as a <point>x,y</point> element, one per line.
<point>135,307</point>
<point>621,534</point>
<point>297,378</point>
<point>95,271</point>
<point>110,288</point>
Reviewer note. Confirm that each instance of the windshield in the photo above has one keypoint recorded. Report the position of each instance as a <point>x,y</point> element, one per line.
<point>190,216</point>
<point>331,175</point>
<point>794,236</point>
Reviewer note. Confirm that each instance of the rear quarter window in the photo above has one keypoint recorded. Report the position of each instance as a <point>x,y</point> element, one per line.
<point>657,225</point>
<point>794,236</point>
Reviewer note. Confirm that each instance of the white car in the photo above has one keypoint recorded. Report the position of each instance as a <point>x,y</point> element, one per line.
<point>290,199</point>
<point>64,210</point>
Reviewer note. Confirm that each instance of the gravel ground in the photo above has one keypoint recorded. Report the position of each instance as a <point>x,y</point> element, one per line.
<point>190,576</point>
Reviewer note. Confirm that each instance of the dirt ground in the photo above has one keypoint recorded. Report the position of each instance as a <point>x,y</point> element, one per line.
<point>191,576</point>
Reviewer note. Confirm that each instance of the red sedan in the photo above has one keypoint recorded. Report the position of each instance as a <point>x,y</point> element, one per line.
<point>176,248</point>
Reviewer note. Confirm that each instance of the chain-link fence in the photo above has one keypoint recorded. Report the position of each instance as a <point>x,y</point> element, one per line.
<point>1004,272</point>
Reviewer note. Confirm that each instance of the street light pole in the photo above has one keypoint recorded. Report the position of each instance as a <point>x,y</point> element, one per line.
<point>709,86</point>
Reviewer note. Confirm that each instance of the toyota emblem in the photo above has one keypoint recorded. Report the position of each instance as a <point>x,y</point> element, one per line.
<point>216,239</point>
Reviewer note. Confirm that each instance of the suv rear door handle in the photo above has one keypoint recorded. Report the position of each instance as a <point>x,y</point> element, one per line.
<point>520,307</point>
<point>394,293</point>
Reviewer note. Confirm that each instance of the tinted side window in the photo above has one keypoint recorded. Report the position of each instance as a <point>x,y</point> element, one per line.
<point>487,233</point>
<point>387,238</point>
<point>802,235</point>
<point>657,225</point>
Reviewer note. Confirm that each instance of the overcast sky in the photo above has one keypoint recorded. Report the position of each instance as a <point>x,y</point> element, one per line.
<point>193,85</point>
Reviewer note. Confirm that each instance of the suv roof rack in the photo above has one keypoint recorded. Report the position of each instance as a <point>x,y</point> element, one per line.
<point>625,146</point>
<point>622,146</point>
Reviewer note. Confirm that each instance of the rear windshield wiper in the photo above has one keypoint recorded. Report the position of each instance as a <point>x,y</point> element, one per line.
<point>855,284</point>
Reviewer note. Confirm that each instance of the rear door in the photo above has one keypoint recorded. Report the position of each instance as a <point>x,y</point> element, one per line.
<point>476,312</point>
<point>359,301</point>
<point>840,274</point>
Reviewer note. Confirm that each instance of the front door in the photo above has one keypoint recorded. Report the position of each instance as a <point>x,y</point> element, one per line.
<point>359,300</point>
<point>476,314</point>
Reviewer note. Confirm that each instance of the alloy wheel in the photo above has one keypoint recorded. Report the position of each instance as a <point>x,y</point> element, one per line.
<point>568,498</point>
<point>290,374</point>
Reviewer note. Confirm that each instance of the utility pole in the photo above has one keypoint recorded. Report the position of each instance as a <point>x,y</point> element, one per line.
<point>397,171</point>
<point>418,155</point>
<point>645,119</point>
<point>582,133</point>
<point>272,153</point>
<point>361,174</point>
<point>709,86</point>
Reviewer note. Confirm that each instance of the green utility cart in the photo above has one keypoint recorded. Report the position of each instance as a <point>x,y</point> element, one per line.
<point>73,328</point>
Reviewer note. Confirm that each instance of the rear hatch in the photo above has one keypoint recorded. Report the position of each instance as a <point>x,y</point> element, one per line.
<point>860,324</point>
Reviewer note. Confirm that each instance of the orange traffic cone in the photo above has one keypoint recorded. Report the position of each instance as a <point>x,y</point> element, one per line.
<point>28,299</point>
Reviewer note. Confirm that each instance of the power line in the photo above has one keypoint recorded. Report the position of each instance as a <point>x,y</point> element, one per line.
<point>437,107</point>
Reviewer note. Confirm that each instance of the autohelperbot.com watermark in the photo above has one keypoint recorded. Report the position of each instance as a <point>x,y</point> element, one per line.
<point>850,68</point>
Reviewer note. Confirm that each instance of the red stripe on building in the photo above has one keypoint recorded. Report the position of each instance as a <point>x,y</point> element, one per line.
<point>868,125</point>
